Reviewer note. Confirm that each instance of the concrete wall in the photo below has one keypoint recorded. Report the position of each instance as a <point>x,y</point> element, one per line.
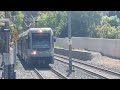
<point>82,55</point>
<point>109,47</point>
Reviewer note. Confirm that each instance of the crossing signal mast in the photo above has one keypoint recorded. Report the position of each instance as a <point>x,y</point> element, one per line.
<point>15,37</point>
<point>8,70</point>
<point>6,54</point>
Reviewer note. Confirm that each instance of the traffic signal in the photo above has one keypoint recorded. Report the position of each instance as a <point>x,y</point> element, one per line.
<point>3,33</point>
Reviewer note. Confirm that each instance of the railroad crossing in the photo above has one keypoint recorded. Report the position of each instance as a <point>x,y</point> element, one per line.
<point>54,58</point>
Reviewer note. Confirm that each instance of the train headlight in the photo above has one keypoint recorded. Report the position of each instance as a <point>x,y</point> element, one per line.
<point>34,53</point>
<point>40,31</point>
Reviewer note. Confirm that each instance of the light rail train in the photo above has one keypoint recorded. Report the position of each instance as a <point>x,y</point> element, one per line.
<point>36,45</point>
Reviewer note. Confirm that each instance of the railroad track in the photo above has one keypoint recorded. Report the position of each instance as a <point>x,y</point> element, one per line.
<point>38,74</point>
<point>91,69</point>
<point>59,74</point>
<point>50,74</point>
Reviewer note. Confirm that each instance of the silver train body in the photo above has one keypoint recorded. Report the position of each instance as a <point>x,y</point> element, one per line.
<point>36,45</point>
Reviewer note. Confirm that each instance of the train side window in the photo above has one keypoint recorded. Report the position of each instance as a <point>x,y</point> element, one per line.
<point>28,42</point>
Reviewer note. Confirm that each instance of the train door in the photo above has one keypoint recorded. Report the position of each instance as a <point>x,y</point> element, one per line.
<point>27,45</point>
<point>52,41</point>
<point>21,48</point>
<point>18,47</point>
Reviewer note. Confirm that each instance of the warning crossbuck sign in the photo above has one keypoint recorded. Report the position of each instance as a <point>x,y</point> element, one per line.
<point>15,36</point>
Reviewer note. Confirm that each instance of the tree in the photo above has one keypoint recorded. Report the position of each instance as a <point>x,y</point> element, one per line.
<point>114,13</point>
<point>109,27</point>
<point>106,31</point>
<point>118,14</point>
<point>112,20</point>
<point>54,19</point>
<point>83,22</point>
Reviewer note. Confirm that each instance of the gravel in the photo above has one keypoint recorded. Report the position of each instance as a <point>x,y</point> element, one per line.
<point>78,74</point>
<point>106,63</point>
<point>48,74</point>
<point>21,73</point>
<point>103,62</point>
<point>97,60</point>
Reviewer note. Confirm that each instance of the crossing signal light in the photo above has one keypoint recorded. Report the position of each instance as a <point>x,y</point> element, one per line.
<point>15,36</point>
<point>3,34</point>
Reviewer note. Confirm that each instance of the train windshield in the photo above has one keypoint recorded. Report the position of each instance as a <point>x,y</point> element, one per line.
<point>41,40</point>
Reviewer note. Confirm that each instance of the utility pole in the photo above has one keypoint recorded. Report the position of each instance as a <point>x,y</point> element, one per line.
<point>7,27</point>
<point>6,54</point>
<point>13,74</point>
<point>8,72</point>
<point>70,43</point>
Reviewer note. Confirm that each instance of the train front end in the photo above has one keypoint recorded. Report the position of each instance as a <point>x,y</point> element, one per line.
<point>42,51</point>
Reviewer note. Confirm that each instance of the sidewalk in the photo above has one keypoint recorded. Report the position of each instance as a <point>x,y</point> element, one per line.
<point>0,60</point>
<point>11,56</point>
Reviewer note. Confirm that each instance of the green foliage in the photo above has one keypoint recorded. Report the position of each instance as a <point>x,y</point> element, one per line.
<point>82,22</point>
<point>17,22</point>
<point>100,24</point>
<point>2,14</point>
<point>114,13</point>
<point>109,27</point>
<point>19,18</point>
<point>56,20</point>
<point>112,20</point>
<point>106,31</point>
